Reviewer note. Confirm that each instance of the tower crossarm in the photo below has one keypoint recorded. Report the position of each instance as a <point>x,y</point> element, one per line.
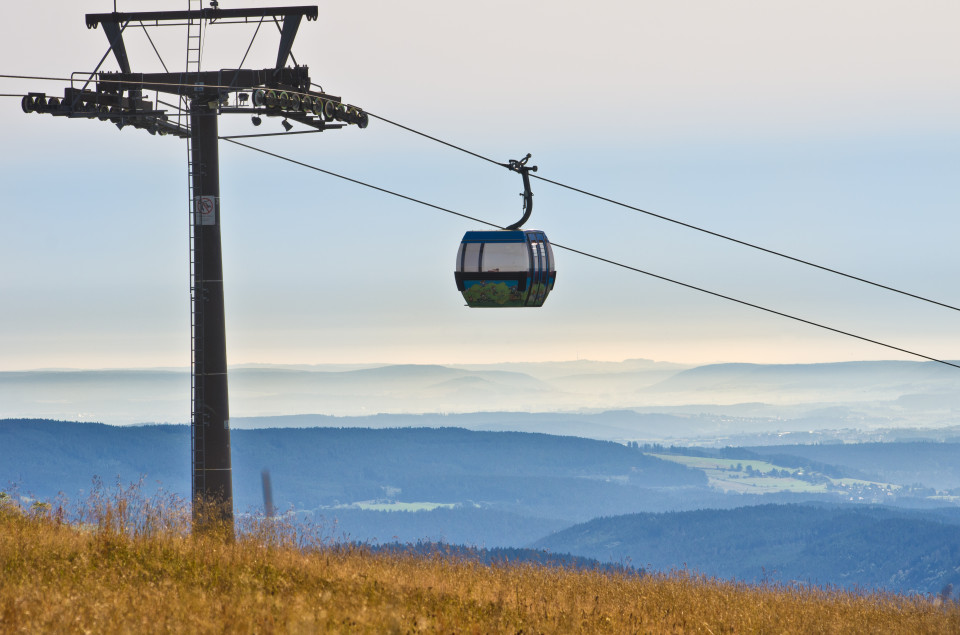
<point>114,24</point>
<point>207,82</point>
<point>273,92</point>
<point>221,16</point>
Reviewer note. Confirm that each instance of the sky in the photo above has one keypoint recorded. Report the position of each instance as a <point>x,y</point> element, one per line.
<point>825,130</point>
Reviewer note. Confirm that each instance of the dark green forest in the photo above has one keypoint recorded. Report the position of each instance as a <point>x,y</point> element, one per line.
<point>319,467</point>
<point>848,546</point>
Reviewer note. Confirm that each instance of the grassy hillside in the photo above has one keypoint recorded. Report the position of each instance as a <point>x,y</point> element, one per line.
<point>121,572</point>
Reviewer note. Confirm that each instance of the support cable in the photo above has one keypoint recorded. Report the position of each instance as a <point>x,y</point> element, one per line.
<point>249,46</point>
<point>678,222</point>
<point>268,134</point>
<point>90,79</point>
<point>203,43</point>
<point>178,107</point>
<point>425,135</point>
<point>747,244</point>
<point>627,206</point>
<point>159,57</point>
<point>602,259</point>
<point>372,187</point>
<point>50,79</point>
<point>99,64</point>
<point>756,306</point>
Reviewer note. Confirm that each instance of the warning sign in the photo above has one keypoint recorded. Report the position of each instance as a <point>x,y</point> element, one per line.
<point>205,210</point>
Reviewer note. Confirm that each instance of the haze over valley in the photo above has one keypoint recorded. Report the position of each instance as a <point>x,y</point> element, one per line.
<point>634,400</point>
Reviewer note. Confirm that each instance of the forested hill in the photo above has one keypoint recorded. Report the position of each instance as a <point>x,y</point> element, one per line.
<point>851,546</point>
<point>44,457</point>
<point>314,467</point>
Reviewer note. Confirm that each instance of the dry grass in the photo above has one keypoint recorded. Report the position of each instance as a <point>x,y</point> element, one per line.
<point>134,567</point>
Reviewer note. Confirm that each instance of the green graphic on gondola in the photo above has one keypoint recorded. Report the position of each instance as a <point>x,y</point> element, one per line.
<point>490,293</point>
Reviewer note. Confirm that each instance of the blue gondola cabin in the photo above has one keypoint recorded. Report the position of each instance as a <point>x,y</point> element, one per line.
<point>509,268</point>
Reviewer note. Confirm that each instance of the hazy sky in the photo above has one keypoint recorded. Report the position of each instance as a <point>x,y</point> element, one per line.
<point>827,130</point>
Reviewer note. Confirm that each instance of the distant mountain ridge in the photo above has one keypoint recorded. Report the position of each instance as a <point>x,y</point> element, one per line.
<point>829,381</point>
<point>768,398</point>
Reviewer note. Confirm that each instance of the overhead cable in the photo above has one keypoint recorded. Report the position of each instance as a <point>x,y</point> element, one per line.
<point>747,244</point>
<point>599,258</point>
<point>678,222</point>
<point>372,187</point>
<point>621,204</point>
<point>425,135</point>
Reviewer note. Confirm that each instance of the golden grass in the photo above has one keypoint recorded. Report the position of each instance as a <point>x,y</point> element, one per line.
<point>114,572</point>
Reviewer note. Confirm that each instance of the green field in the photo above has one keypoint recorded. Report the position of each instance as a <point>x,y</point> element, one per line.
<point>723,474</point>
<point>706,463</point>
<point>763,485</point>
<point>400,507</point>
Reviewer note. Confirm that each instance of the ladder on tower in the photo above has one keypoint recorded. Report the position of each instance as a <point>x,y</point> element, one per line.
<point>197,432</point>
<point>194,34</point>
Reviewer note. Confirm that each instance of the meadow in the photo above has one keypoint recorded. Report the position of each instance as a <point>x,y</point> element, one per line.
<point>761,476</point>
<point>123,563</point>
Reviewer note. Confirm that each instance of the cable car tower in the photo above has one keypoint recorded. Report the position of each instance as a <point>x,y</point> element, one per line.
<point>119,98</point>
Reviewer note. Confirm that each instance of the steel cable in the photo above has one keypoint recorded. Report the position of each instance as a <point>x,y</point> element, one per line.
<point>600,258</point>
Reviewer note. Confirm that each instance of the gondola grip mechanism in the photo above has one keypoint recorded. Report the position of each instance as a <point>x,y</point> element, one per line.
<point>521,167</point>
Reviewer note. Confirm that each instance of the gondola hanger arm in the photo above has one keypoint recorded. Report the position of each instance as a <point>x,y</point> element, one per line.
<point>524,170</point>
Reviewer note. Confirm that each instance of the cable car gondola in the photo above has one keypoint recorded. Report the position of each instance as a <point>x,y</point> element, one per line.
<point>512,267</point>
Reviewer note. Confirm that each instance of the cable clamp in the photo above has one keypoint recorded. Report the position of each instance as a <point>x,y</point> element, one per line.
<point>519,165</point>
